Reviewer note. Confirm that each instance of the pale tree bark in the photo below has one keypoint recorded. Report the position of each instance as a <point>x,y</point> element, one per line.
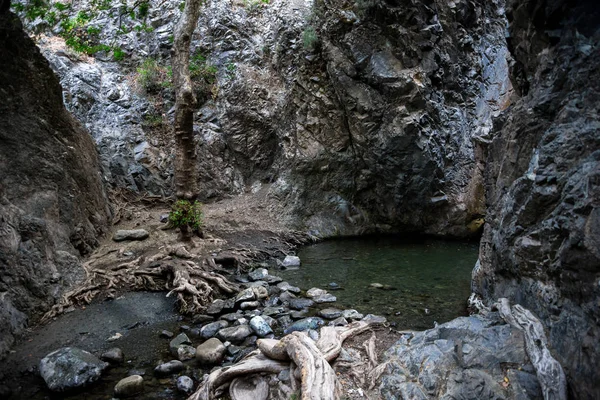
<point>186,186</point>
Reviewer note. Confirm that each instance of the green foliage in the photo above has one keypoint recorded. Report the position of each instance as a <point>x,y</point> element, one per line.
<point>310,40</point>
<point>151,76</point>
<point>73,28</point>
<point>181,6</point>
<point>118,54</point>
<point>184,212</point>
<point>253,5</point>
<point>153,120</point>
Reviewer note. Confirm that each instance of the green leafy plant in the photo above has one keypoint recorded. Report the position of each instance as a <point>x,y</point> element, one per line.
<point>152,77</point>
<point>310,39</point>
<point>186,214</point>
<point>118,54</point>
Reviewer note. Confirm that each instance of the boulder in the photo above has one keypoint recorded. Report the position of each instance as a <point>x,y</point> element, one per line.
<point>70,368</point>
<point>129,386</point>
<point>210,352</point>
<point>465,358</point>
<point>132,234</point>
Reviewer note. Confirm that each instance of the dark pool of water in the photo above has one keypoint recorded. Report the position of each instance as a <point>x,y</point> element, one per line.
<point>429,279</point>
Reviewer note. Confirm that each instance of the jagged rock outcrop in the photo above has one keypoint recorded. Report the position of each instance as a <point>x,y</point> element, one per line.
<point>541,242</point>
<point>353,115</point>
<point>52,202</point>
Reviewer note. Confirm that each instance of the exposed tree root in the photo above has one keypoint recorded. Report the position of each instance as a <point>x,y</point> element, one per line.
<point>307,361</point>
<point>194,284</point>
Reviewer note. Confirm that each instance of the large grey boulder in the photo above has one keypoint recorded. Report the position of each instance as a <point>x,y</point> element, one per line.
<point>70,368</point>
<point>466,358</point>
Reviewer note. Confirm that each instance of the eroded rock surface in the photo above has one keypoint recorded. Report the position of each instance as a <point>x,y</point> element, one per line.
<point>52,202</point>
<point>467,358</point>
<point>351,116</point>
<point>542,238</point>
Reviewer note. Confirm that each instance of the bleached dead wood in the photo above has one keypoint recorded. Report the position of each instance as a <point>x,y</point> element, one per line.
<point>309,362</point>
<point>256,362</point>
<point>549,371</point>
<point>249,388</point>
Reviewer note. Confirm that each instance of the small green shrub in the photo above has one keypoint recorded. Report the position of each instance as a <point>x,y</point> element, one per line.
<point>186,213</point>
<point>118,54</point>
<point>151,76</point>
<point>310,38</point>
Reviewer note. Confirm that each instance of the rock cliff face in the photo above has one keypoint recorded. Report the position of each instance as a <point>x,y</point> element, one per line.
<point>354,115</point>
<point>52,201</point>
<point>541,245</point>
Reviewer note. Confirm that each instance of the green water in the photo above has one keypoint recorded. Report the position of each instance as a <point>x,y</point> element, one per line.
<point>429,279</point>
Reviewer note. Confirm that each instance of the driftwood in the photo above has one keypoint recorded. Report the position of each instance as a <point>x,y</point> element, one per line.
<point>307,361</point>
<point>254,363</point>
<point>549,371</point>
<point>249,388</point>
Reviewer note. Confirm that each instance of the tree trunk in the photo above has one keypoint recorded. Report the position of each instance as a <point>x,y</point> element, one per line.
<point>186,186</point>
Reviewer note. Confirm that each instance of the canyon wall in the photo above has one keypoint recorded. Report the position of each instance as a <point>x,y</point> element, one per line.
<point>354,116</point>
<point>52,202</point>
<point>541,243</point>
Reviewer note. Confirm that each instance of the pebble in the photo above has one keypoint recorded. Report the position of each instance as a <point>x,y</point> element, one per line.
<point>325,298</point>
<point>330,313</point>
<point>286,296</point>
<point>352,314</point>
<point>250,305</point>
<point>284,286</point>
<point>270,311</point>
<point>129,386</point>
<point>70,368</point>
<point>114,355</point>
<point>260,326</point>
<point>258,274</point>
<point>169,368</point>
<point>181,339</point>
<point>341,321</point>
<point>185,384</point>
<point>186,352</point>
<point>166,334</point>
<point>235,334</point>
<point>298,314</point>
<point>132,234</point>
<point>305,324</point>
<point>291,261</point>
<point>315,292</point>
<point>245,295</point>
<point>210,330</point>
